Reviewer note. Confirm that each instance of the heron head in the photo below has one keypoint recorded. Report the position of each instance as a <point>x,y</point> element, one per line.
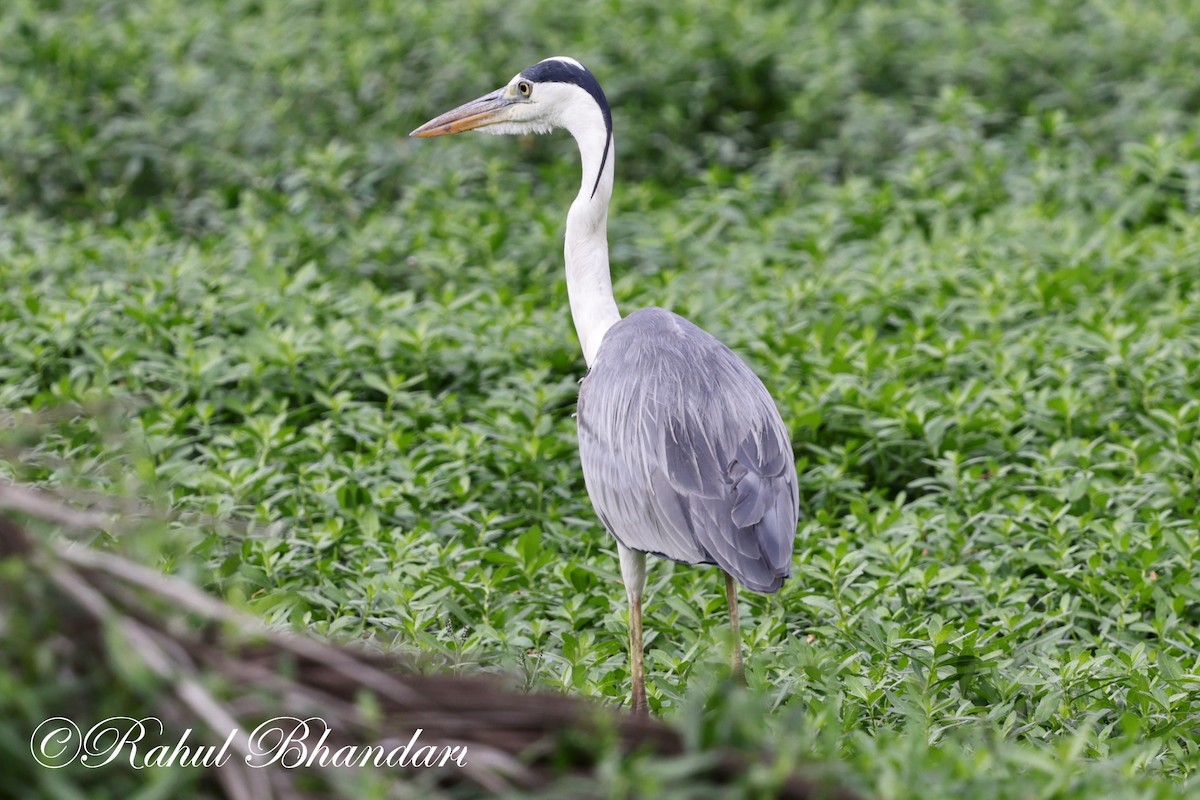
<point>558,92</point>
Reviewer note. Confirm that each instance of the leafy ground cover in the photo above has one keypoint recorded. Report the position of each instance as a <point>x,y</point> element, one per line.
<point>958,242</point>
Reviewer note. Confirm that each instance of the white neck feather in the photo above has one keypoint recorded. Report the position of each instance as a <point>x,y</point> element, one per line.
<point>589,284</point>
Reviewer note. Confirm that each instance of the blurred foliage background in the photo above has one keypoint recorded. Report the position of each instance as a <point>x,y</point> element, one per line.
<point>958,241</point>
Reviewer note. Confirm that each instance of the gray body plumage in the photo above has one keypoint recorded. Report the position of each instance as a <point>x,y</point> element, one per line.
<point>684,453</point>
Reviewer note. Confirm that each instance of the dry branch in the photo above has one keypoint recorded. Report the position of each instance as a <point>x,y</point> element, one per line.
<point>228,670</point>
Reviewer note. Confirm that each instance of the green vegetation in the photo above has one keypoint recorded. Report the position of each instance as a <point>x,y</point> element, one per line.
<point>958,242</point>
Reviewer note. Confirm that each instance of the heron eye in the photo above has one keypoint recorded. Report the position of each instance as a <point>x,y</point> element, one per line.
<point>524,88</point>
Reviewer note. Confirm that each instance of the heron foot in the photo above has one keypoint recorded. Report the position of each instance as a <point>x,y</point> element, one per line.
<point>638,705</point>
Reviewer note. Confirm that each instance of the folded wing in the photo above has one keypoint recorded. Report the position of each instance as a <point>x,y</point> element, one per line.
<point>684,453</point>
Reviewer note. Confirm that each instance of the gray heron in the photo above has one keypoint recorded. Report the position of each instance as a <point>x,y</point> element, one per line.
<point>684,454</point>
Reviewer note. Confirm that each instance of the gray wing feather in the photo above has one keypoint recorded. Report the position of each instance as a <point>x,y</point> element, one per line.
<point>684,453</point>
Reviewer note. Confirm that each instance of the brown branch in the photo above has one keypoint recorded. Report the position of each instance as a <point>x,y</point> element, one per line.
<point>43,506</point>
<point>512,737</point>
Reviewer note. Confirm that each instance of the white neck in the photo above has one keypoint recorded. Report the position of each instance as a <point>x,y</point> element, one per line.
<point>589,284</point>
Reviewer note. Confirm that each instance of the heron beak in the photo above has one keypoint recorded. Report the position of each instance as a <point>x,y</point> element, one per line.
<point>479,113</point>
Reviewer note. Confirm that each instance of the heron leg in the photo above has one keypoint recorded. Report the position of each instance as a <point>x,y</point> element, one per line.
<point>633,575</point>
<point>637,666</point>
<point>735,661</point>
